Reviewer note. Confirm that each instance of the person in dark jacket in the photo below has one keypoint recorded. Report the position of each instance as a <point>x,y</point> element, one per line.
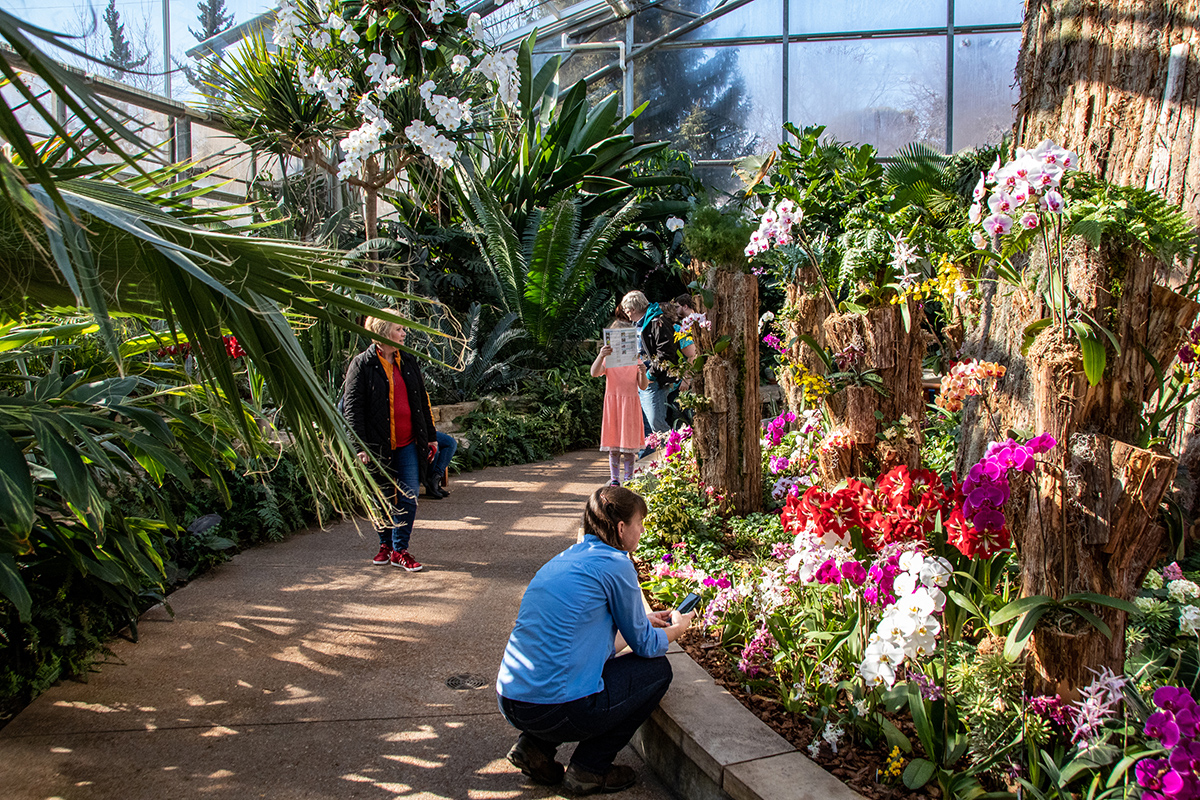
<point>660,352</point>
<point>387,407</point>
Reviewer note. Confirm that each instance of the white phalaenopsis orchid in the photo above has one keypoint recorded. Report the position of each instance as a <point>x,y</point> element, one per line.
<point>674,224</point>
<point>880,661</point>
<point>502,68</point>
<point>437,11</point>
<point>334,63</point>
<point>909,625</point>
<point>1023,187</point>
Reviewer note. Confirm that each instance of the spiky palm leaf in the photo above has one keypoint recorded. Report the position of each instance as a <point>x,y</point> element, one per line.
<point>548,275</point>
<point>921,176</point>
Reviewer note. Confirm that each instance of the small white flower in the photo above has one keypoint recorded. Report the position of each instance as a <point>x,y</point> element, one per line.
<point>321,40</point>
<point>1181,591</point>
<point>814,749</point>
<point>1189,621</point>
<point>459,63</point>
<point>429,44</point>
<point>674,224</point>
<point>832,735</point>
<point>905,584</point>
<point>437,11</point>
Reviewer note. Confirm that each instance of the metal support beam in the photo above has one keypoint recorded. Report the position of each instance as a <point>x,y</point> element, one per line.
<point>949,75</point>
<point>627,74</point>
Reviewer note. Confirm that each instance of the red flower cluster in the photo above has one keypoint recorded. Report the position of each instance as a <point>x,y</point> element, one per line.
<point>971,541</point>
<point>181,349</point>
<point>232,348</point>
<point>903,507</point>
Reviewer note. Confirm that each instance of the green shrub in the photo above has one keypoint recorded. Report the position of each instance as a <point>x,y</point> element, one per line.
<point>560,411</point>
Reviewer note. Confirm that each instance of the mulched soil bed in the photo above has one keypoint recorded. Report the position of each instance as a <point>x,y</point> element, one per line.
<point>855,763</point>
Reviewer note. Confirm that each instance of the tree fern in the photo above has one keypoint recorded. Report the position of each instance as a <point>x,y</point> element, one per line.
<point>268,511</point>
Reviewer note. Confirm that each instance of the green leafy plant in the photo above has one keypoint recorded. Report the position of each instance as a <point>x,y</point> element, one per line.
<point>482,371</point>
<point>547,275</point>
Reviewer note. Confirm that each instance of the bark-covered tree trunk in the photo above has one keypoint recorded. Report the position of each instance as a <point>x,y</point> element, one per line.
<point>727,432</point>
<point>885,424</point>
<point>1113,81</point>
<point>863,412</point>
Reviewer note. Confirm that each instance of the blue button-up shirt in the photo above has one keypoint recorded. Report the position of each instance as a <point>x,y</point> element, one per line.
<point>567,624</point>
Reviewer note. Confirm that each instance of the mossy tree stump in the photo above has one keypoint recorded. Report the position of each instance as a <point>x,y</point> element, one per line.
<point>727,431</point>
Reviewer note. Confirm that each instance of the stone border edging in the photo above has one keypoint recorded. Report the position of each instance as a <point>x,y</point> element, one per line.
<point>706,745</point>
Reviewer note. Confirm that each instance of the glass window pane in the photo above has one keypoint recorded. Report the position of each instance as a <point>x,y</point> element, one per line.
<point>885,92</point>
<point>984,87</point>
<point>712,102</point>
<point>757,18</point>
<point>583,63</point>
<point>988,12</point>
<point>824,16</point>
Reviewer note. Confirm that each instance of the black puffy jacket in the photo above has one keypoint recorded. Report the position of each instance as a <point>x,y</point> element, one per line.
<point>367,406</point>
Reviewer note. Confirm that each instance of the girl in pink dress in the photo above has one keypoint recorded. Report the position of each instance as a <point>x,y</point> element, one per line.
<point>621,432</point>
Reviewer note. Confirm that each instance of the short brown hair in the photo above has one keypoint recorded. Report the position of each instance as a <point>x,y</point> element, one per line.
<point>380,327</point>
<point>608,506</point>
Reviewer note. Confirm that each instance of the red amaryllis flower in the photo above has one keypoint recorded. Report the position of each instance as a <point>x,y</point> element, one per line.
<point>924,480</point>
<point>877,531</point>
<point>907,526</point>
<point>839,513</point>
<point>973,542</point>
<point>895,486</point>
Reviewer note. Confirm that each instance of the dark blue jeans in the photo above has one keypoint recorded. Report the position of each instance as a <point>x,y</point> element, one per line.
<point>447,447</point>
<point>403,508</point>
<point>603,722</point>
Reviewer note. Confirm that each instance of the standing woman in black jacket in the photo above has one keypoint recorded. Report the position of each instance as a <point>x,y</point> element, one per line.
<point>388,409</point>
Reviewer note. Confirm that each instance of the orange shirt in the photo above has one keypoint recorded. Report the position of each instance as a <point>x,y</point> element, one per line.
<point>402,434</point>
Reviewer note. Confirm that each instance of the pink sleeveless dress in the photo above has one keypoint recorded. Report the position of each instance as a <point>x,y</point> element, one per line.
<point>621,429</point>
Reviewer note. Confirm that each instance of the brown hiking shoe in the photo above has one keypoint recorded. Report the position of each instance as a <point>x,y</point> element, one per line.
<point>535,763</point>
<point>583,781</point>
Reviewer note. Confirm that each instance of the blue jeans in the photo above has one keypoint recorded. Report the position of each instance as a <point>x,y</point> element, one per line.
<point>654,406</point>
<point>447,447</point>
<point>403,508</point>
<point>603,722</point>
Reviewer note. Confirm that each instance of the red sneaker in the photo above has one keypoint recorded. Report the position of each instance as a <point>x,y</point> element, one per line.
<point>385,555</point>
<point>401,558</point>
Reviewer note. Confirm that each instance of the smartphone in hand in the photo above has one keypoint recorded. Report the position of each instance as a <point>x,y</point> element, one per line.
<point>688,603</point>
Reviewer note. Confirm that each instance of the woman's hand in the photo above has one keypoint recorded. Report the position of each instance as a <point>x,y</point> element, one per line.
<point>659,619</point>
<point>432,450</point>
<point>364,458</point>
<point>606,350</point>
<point>679,624</point>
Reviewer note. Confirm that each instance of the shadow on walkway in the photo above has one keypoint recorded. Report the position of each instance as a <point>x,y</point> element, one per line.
<point>301,670</point>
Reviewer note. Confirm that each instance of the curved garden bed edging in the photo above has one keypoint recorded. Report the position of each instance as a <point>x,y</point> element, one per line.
<point>708,746</point>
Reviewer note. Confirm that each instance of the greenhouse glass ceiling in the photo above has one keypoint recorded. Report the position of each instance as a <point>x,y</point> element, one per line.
<point>722,76</point>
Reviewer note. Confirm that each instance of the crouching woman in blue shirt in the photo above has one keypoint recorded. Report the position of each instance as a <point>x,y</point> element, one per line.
<point>561,679</point>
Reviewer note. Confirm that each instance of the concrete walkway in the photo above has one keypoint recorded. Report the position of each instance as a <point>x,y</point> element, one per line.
<point>299,670</point>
